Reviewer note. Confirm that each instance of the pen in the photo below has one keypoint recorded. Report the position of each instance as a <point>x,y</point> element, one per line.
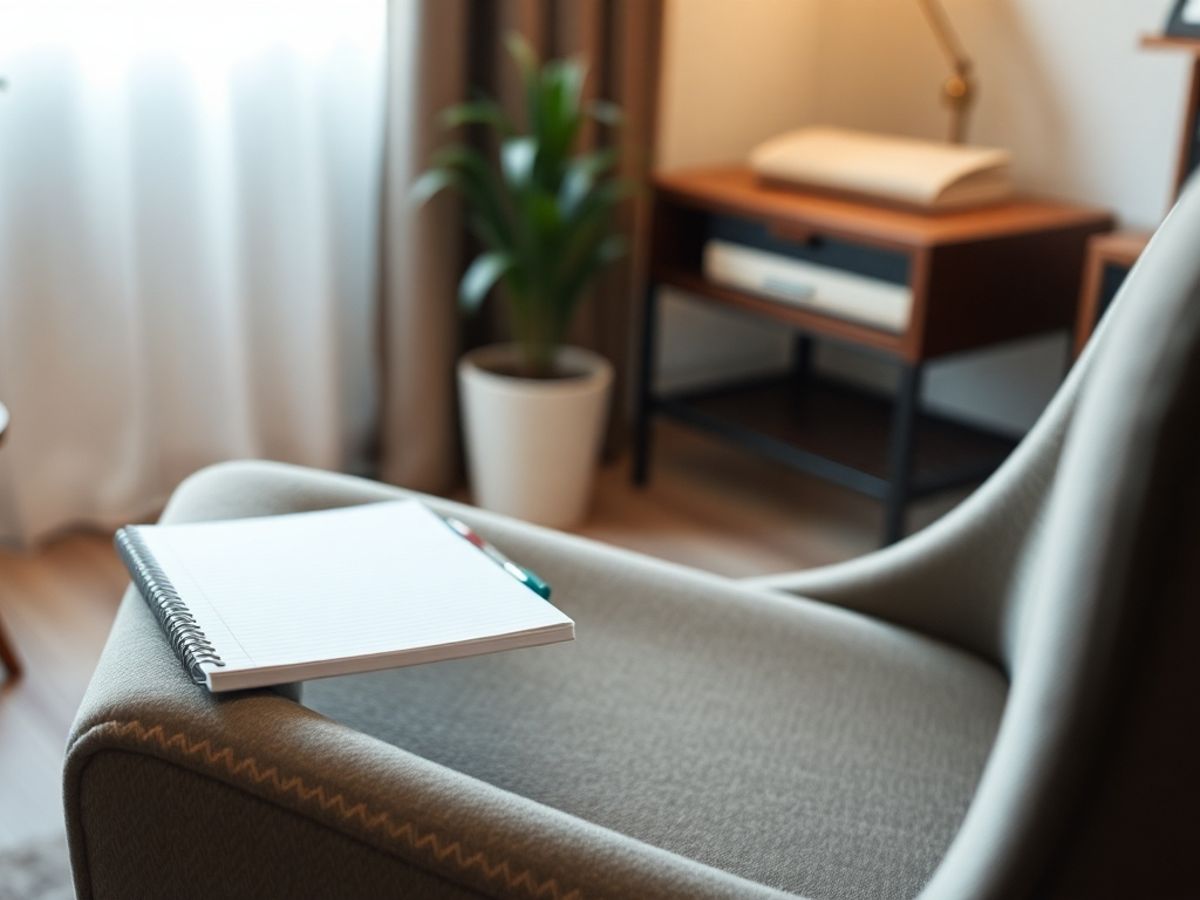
<point>523,575</point>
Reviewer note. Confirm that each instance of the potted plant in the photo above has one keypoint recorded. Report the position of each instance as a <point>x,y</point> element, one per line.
<point>533,410</point>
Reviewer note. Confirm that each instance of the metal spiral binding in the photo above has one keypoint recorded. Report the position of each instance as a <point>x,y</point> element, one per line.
<point>186,637</point>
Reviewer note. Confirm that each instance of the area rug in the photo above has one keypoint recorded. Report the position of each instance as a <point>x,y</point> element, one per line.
<point>38,870</point>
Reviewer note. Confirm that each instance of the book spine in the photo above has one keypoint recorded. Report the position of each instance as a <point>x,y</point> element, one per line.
<point>184,633</point>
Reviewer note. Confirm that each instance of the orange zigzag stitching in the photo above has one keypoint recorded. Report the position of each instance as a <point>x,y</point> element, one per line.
<point>295,785</point>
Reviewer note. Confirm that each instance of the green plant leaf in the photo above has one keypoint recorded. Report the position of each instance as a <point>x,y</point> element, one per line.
<point>569,76</point>
<point>606,112</point>
<point>481,277</point>
<point>575,187</point>
<point>527,64</point>
<point>600,255</point>
<point>483,111</point>
<point>430,184</point>
<point>559,116</point>
<point>598,161</point>
<point>595,207</point>
<point>573,74</point>
<point>612,248</point>
<point>476,178</point>
<point>524,55</point>
<point>543,213</point>
<point>580,179</point>
<point>591,227</point>
<point>487,233</point>
<point>517,158</point>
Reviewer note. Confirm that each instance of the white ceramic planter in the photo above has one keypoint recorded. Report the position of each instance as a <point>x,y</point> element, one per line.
<point>532,444</point>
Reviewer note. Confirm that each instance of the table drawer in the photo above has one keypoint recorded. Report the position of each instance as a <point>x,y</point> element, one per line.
<point>891,266</point>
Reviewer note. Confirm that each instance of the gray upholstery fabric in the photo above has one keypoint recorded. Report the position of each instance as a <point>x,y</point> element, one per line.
<point>799,746</point>
<point>1076,565</point>
<point>1106,583</point>
<point>422,815</point>
<point>709,739</point>
<point>186,836</point>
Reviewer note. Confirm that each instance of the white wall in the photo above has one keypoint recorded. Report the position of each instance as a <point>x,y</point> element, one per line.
<point>1088,115</point>
<point>734,73</point>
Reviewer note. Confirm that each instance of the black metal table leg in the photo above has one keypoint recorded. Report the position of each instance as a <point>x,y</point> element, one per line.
<point>801,366</point>
<point>645,389</point>
<point>900,453</point>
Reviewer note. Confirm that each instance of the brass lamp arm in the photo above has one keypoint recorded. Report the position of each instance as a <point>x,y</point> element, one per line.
<point>958,91</point>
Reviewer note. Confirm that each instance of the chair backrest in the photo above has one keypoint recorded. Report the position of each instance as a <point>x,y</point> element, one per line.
<point>1091,785</point>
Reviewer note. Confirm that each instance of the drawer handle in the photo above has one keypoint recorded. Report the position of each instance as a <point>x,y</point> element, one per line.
<point>796,234</point>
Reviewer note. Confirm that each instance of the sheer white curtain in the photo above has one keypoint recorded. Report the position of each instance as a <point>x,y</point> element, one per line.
<point>189,215</point>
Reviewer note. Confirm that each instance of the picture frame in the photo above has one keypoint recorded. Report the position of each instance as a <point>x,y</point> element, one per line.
<point>1185,19</point>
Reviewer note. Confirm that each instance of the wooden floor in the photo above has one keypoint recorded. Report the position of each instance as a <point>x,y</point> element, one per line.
<point>57,604</point>
<point>707,506</point>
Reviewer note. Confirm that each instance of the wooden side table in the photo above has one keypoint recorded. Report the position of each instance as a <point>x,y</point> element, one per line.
<point>1111,256</point>
<point>8,656</point>
<point>975,278</point>
<point>1109,259</point>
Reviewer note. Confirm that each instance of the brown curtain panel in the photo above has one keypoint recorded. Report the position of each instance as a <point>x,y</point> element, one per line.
<point>440,50</point>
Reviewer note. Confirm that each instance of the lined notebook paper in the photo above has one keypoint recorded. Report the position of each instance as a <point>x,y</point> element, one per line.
<point>256,602</point>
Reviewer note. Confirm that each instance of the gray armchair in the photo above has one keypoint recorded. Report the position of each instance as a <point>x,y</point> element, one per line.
<point>1000,706</point>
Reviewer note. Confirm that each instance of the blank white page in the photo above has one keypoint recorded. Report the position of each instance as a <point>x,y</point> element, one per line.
<point>377,583</point>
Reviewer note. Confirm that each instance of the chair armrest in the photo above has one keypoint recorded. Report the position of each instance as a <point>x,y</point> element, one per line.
<point>256,775</point>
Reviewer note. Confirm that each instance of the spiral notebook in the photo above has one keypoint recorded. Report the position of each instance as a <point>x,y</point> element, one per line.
<point>258,602</point>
